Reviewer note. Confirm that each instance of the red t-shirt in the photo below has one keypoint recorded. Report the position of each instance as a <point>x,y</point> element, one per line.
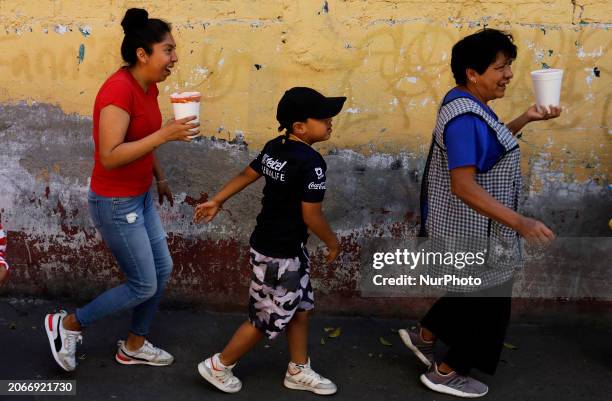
<point>122,90</point>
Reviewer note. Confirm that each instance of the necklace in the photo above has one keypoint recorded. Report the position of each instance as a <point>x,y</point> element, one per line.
<point>295,138</point>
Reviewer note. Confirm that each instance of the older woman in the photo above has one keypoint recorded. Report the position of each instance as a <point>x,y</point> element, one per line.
<point>471,188</point>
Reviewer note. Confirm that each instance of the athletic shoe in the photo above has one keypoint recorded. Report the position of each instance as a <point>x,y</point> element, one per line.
<point>453,384</point>
<point>424,350</point>
<point>63,342</point>
<point>302,377</point>
<point>148,354</point>
<point>219,375</point>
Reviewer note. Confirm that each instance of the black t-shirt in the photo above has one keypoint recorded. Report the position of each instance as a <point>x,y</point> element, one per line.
<point>294,173</point>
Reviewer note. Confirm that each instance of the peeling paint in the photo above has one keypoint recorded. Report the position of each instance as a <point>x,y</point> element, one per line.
<point>590,76</point>
<point>81,55</point>
<point>201,70</point>
<point>61,29</point>
<point>593,54</point>
<point>325,7</point>
<point>85,30</point>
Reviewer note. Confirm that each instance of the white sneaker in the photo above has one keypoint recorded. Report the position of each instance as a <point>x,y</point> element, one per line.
<point>63,342</point>
<point>302,377</point>
<point>148,354</point>
<point>219,375</point>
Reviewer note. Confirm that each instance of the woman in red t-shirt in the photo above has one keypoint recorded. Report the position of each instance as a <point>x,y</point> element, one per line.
<point>126,131</point>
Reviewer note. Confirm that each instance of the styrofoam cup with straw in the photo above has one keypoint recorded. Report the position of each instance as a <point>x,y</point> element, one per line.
<point>547,87</point>
<point>186,104</point>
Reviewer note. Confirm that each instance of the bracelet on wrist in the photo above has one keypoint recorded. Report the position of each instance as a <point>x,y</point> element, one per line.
<point>162,181</point>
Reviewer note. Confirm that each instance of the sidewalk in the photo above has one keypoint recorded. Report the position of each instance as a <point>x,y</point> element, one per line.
<point>559,362</point>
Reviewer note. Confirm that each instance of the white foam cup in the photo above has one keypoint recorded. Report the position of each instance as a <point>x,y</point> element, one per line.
<point>186,104</point>
<point>547,87</point>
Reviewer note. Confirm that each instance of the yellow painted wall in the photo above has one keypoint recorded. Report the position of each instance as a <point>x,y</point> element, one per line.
<point>390,58</point>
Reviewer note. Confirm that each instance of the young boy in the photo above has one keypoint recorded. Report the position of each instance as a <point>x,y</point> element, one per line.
<point>4,267</point>
<point>280,290</point>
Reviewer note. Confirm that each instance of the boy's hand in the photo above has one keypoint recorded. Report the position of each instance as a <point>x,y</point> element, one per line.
<point>206,211</point>
<point>4,274</point>
<point>316,222</point>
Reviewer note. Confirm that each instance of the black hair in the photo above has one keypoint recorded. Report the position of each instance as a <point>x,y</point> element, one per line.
<point>288,131</point>
<point>478,51</point>
<point>141,31</point>
<point>287,127</point>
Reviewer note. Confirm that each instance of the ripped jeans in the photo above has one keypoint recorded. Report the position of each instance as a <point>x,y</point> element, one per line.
<point>132,230</point>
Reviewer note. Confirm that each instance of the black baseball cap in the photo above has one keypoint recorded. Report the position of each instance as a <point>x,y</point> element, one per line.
<point>301,103</point>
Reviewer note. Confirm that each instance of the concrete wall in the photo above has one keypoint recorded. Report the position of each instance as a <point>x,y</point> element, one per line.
<point>390,58</point>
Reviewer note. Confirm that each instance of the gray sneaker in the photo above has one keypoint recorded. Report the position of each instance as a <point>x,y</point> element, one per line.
<point>422,349</point>
<point>148,354</point>
<point>453,384</point>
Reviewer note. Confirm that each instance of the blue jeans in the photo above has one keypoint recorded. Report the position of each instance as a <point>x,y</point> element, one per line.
<point>131,228</point>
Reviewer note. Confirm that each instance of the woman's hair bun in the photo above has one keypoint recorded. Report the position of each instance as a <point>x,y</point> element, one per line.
<point>134,20</point>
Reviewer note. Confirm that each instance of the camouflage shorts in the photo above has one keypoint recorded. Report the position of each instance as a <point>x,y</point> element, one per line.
<point>279,288</point>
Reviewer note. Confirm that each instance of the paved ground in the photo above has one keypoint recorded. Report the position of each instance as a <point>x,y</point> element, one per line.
<point>564,360</point>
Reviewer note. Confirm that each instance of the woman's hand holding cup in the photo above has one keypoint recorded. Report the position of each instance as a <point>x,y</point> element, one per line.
<point>538,113</point>
<point>180,130</point>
